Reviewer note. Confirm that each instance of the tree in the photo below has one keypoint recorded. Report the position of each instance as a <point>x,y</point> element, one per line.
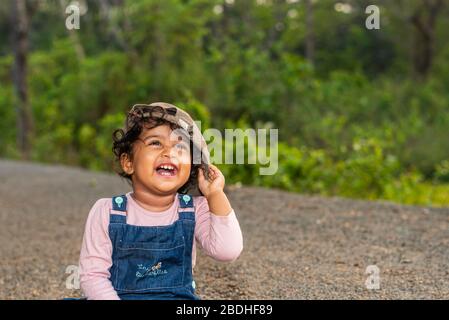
<point>25,125</point>
<point>421,16</point>
<point>424,20</point>
<point>310,37</point>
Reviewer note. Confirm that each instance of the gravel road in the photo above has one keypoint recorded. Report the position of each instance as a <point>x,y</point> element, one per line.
<point>295,246</point>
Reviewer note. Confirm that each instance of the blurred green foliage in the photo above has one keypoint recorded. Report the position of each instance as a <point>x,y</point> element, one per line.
<point>354,124</point>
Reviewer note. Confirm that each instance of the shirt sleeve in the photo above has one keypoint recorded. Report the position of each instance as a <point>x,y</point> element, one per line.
<point>219,236</point>
<point>96,255</point>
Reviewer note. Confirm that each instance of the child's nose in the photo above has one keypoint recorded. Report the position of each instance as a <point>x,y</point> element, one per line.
<point>168,151</point>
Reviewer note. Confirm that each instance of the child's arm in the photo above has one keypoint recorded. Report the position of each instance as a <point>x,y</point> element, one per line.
<point>96,255</point>
<point>217,228</point>
<point>219,203</point>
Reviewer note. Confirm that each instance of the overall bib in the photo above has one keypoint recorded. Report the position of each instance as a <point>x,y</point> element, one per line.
<point>152,262</point>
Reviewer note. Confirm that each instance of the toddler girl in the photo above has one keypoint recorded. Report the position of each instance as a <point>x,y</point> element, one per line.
<point>141,245</point>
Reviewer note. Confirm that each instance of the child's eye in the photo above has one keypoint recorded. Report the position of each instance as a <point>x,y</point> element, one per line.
<point>155,143</point>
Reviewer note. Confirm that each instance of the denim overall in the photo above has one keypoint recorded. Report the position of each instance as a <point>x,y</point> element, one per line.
<point>152,262</point>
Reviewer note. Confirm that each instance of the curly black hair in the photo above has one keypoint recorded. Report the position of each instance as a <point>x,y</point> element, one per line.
<point>147,117</point>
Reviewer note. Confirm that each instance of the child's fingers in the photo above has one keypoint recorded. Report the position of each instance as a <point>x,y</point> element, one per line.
<point>215,170</point>
<point>212,169</point>
<point>202,177</point>
<point>213,173</point>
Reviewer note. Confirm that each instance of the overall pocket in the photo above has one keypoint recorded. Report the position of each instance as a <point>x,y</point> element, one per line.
<point>142,267</point>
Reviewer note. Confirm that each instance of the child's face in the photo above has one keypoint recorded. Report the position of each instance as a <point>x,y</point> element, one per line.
<point>161,161</point>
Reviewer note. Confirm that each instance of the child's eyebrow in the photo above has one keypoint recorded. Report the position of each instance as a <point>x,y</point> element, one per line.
<point>152,136</point>
<point>157,136</point>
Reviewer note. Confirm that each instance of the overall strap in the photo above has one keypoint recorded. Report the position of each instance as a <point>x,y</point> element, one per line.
<point>186,202</point>
<point>118,204</point>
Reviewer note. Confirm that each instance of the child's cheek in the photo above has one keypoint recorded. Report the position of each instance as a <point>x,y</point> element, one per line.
<point>185,172</point>
<point>146,161</point>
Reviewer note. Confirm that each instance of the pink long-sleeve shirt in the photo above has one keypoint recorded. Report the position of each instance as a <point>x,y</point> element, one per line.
<point>219,236</point>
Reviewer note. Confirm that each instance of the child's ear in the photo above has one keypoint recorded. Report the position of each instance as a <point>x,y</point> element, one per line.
<point>126,163</point>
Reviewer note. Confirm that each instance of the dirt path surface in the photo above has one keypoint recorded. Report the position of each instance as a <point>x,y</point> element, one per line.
<point>295,247</point>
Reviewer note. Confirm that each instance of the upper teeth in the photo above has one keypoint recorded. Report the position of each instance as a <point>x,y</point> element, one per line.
<point>167,167</point>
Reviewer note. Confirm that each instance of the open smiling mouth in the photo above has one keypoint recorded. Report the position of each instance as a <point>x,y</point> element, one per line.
<point>167,170</point>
